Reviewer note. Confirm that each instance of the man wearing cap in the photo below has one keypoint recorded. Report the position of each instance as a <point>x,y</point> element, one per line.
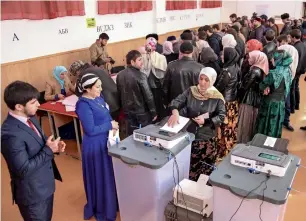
<point>258,30</point>
<point>181,74</point>
<point>287,24</point>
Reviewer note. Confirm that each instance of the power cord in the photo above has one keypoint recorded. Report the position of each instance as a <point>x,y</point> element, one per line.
<point>264,181</point>
<point>263,194</point>
<point>175,164</point>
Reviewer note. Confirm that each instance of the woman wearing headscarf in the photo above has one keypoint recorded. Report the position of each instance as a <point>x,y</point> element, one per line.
<point>168,52</point>
<point>276,87</point>
<point>251,45</point>
<point>227,83</point>
<point>204,105</point>
<point>251,98</point>
<point>228,41</point>
<point>209,59</point>
<point>98,174</point>
<point>154,66</point>
<point>59,85</point>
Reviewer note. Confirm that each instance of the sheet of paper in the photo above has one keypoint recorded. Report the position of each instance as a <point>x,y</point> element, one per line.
<point>112,139</point>
<point>270,141</point>
<point>69,108</point>
<point>71,100</point>
<point>182,122</point>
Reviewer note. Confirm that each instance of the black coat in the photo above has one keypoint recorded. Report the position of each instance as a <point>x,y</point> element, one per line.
<point>30,162</point>
<point>250,85</point>
<point>171,57</point>
<point>286,29</point>
<point>109,87</point>
<point>180,75</point>
<point>135,94</point>
<point>159,48</point>
<point>301,48</point>
<point>269,49</point>
<point>257,33</point>
<point>214,42</point>
<point>191,107</point>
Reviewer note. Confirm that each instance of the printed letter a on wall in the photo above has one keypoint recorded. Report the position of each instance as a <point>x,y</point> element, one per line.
<point>15,37</point>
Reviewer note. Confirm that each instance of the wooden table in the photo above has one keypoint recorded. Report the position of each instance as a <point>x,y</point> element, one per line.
<point>58,116</point>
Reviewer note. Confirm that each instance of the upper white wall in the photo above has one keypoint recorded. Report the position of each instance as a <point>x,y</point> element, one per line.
<point>43,37</point>
<point>270,8</point>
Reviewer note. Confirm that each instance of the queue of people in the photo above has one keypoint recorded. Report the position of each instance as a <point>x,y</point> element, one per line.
<point>231,83</point>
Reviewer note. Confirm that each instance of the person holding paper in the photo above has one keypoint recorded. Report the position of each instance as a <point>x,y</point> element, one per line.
<point>205,105</point>
<point>59,85</point>
<point>98,174</point>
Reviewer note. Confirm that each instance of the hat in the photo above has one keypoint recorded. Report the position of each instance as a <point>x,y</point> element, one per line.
<point>285,16</point>
<point>171,38</point>
<point>257,19</point>
<point>186,48</point>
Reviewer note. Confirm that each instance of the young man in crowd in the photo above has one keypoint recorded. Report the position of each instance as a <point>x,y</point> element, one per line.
<point>287,24</point>
<point>258,31</point>
<point>273,26</point>
<point>181,74</point>
<point>214,40</point>
<point>301,68</point>
<point>29,154</point>
<point>135,94</point>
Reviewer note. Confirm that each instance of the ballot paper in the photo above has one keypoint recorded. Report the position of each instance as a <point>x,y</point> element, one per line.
<point>69,108</point>
<point>113,139</point>
<point>270,141</point>
<point>182,122</point>
<point>70,101</point>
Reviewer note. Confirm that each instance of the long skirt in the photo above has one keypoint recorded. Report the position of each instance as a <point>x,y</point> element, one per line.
<point>270,118</point>
<point>246,123</point>
<point>227,132</point>
<point>203,158</point>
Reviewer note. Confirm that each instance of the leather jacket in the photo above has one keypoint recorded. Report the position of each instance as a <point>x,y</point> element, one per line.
<point>190,107</point>
<point>269,49</point>
<point>135,94</point>
<point>250,84</point>
<point>180,75</point>
<point>227,82</point>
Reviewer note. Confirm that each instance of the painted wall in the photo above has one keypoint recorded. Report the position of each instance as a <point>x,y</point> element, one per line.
<point>270,8</point>
<point>24,39</point>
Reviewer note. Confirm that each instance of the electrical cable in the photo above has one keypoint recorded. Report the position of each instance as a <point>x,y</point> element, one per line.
<point>243,198</point>
<point>263,197</point>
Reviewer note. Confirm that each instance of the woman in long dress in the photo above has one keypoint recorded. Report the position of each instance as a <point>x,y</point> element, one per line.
<point>204,105</point>
<point>251,97</point>
<point>98,174</point>
<point>276,87</point>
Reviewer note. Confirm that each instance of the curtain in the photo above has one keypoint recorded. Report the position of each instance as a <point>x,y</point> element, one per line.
<point>38,10</point>
<point>127,6</point>
<point>180,5</point>
<point>211,4</point>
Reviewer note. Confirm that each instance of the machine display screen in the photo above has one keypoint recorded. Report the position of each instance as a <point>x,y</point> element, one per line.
<point>269,156</point>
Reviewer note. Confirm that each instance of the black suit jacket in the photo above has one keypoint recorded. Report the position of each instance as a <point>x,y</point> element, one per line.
<point>30,162</point>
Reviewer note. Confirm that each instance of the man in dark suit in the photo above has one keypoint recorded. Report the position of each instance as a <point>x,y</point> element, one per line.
<point>29,154</point>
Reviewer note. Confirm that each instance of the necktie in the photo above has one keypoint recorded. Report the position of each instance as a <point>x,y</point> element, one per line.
<point>32,127</point>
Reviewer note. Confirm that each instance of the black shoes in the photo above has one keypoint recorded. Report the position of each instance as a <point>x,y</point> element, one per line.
<point>288,127</point>
<point>303,128</point>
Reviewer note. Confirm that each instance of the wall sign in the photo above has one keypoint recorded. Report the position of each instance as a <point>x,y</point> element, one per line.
<point>172,18</point>
<point>15,37</point>
<point>105,28</point>
<point>184,17</point>
<point>63,31</point>
<point>161,20</point>
<point>128,25</point>
<point>91,22</point>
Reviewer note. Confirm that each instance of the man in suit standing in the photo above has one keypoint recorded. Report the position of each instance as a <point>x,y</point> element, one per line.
<point>29,154</point>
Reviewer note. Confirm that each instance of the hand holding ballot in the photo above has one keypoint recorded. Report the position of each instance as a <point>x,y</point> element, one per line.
<point>174,118</point>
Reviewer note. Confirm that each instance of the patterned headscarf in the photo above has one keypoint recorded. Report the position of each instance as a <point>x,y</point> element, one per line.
<point>254,45</point>
<point>151,44</point>
<point>57,72</point>
<point>260,60</point>
<point>75,67</point>
<point>85,80</point>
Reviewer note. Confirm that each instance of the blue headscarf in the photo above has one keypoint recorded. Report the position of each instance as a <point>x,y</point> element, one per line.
<point>57,72</point>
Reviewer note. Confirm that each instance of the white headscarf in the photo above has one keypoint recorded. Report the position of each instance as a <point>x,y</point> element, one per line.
<point>211,74</point>
<point>294,54</point>
<point>228,41</point>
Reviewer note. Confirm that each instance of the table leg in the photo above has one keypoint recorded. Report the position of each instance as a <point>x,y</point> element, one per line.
<point>76,128</point>
<point>51,125</point>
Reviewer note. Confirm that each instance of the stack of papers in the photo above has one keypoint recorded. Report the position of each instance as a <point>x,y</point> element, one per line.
<point>70,102</point>
<point>182,122</point>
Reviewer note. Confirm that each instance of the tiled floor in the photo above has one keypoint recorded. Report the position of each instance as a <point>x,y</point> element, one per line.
<point>70,197</point>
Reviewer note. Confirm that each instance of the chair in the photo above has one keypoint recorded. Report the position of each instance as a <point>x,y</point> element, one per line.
<point>41,113</point>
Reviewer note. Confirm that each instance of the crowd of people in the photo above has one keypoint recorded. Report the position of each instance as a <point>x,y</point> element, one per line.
<point>231,83</point>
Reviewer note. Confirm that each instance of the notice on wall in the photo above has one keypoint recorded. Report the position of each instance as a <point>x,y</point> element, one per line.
<point>262,10</point>
<point>91,22</point>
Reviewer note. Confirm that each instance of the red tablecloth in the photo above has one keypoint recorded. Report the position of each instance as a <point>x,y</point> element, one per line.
<point>56,107</point>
